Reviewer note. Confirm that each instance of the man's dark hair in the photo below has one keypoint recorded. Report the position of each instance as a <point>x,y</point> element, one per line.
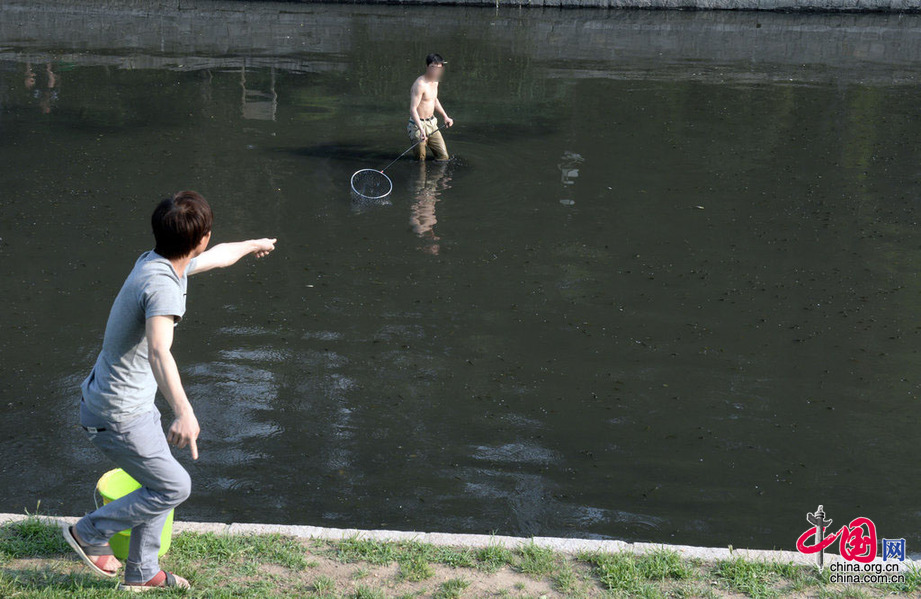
<point>179,223</point>
<point>434,59</point>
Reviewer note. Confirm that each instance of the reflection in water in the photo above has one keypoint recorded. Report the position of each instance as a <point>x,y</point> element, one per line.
<point>206,92</point>
<point>360,203</point>
<point>259,105</point>
<point>432,178</point>
<point>569,172</point>
<point>49,94</point>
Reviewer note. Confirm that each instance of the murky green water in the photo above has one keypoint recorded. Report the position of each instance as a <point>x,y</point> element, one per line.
<point>665,296</point>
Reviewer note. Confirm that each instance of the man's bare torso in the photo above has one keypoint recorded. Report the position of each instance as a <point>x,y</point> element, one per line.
<point>429,90</point>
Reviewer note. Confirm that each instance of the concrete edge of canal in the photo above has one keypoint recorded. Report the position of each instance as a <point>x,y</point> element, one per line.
<point>562,545</point>
<point>746,5</point>
<point>769,5</point>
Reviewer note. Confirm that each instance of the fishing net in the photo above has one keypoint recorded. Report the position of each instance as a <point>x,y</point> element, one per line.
<point>370,184</point>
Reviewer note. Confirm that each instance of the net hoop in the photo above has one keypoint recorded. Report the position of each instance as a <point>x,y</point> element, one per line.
<point>380,174</point>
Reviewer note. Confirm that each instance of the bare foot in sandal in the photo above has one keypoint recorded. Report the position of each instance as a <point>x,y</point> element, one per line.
<point>163,580</point>
<point>98,557</point>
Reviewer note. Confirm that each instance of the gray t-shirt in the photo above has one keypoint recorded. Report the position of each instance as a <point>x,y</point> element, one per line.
<point>122,385</point>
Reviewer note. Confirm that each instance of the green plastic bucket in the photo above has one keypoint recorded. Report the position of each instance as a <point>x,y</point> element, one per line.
<point>115,484</point>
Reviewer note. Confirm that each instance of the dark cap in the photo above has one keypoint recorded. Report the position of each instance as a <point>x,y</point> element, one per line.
<point>434,59</point>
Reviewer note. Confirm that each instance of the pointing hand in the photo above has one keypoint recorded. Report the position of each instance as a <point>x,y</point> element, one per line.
<point>184,431</point>
<point>263,247</point>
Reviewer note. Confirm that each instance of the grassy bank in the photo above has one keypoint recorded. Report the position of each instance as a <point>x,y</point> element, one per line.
<point>34,562</point>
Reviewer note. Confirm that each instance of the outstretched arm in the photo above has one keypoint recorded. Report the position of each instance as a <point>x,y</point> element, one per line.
<point>448,120</point>
<point>227,254</point>
<point>184,430</point>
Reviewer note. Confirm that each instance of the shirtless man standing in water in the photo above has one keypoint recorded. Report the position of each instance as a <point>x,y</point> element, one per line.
<point>423,103</point>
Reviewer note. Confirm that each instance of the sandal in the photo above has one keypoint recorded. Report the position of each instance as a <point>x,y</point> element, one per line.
<point>163,580</point>
<point>98,557</point>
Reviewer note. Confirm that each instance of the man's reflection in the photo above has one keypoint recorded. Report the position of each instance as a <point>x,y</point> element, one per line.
<point>431,180</point>
<point>30,77</point>
<point>44,96</point>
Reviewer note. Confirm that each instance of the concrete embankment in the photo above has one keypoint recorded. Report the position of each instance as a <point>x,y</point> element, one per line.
<point>767,5</point>
<point>298,37</point>
<point>562,545</point>
<point>787,5</point>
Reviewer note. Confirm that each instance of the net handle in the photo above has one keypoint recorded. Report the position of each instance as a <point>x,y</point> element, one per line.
<point>411,147</point>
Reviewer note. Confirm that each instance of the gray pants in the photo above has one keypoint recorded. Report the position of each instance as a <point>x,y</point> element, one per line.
<point>139,447</point>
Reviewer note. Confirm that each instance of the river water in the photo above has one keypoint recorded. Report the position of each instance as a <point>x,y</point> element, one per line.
<point>665,291</point>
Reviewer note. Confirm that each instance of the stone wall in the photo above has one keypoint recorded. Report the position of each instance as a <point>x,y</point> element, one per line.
<point>787,5</point>
<point>317,37</point>
<point>768,5</point>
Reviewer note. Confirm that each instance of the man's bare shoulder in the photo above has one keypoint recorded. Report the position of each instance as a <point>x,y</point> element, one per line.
<point>426,86</point>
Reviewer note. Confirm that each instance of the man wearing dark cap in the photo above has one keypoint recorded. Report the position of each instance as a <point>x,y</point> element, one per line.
<point>423,104</point>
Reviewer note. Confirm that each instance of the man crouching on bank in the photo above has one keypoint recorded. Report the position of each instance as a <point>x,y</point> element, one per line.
<point>117,410</point>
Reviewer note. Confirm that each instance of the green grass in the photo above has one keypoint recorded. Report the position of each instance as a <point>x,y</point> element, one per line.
<point>364,592</point>
<point>632,575</point>
<point>848,593</point>
<point>415,559</point>
<point>415,568</point>
<point>31,538</point>
<point>35,563</point>
<point>912,582</point>
<point>451,589</point>
<point>223,549</point>
<point>536,560</point>
<point>762,580</point>
<point>663,565</point>
<point>324,585</point>
<point>693,589</point>
<point>493,558</point>
<point>565,580</point>
<point>454,557</point>
<point>356,549</point>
